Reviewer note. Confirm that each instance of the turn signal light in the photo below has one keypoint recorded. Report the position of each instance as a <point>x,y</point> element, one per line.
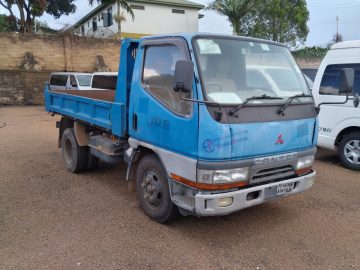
<point>203,186</point>
<point>303,171</point>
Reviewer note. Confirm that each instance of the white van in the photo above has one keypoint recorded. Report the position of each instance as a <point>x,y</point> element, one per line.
<point>339,124</point>
<point>70,81</point>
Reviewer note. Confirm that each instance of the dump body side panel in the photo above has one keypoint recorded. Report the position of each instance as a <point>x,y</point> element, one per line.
<point>104,114</point>
<point>104,109</point>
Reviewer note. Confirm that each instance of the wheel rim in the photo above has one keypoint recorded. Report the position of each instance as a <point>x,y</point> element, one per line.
<point>352,152</point>
<point>68,151</point>
<point>152,188</point>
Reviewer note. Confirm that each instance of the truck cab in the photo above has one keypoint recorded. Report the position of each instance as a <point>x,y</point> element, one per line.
<point>209,146</point>
<point>202,132</point>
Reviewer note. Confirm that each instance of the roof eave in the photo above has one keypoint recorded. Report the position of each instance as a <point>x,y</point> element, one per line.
<point>90,14</point>
<point>194,6</point>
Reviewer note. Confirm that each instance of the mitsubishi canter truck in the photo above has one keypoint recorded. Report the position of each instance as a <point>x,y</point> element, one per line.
<point>207,124</point>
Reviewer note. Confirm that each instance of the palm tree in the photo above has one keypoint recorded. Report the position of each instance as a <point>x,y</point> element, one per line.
<point>235,10</point>
<point>119,17</point>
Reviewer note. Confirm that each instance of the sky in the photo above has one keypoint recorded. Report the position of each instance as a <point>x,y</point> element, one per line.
<point>322,23</point>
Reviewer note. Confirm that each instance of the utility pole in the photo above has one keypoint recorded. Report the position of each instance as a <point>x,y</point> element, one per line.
<point>337,29</point>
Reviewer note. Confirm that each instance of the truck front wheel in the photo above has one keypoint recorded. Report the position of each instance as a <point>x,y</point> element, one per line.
<point>349,151</point>
<point>75,156</point>
<point>152,189</point>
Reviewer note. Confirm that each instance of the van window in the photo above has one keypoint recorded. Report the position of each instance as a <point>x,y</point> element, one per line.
<point>84,80</point>
<point>104,82</point>
<point>59,80</point>
<point>330,82</point>
<point>158,77</point>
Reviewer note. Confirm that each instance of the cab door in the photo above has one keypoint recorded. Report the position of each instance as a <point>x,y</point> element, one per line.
<point>157,114</point>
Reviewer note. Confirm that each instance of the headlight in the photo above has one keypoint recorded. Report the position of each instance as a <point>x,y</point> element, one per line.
<point>223,176</point>
<point>305,162</point>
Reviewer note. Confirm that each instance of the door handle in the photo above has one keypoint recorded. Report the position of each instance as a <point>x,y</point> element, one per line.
<point>135,121</point>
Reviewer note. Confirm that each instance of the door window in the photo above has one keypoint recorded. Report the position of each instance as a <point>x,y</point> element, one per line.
<point>330,82</point>
<point>158,77</point>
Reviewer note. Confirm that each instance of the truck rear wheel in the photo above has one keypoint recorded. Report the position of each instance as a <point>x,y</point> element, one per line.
<point>349,151</point>
<point>152,189</point>
<point>75,156</point>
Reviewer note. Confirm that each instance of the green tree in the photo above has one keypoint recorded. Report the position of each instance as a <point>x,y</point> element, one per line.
<point>4,23</point>
<point>284,21</point>
<point>57,8</point>
<point>30,9</point>
<point>234,10</point>
<point>119,17</point>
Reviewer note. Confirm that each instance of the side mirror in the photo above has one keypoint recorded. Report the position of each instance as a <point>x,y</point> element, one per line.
<point>184,75</point>
<point>356,100</point>
<point>347,80</point>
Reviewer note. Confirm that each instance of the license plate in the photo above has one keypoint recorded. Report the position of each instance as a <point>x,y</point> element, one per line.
<point>284,188</point>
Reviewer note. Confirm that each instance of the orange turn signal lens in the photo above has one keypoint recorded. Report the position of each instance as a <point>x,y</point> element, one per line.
<point>202,186</point>
<point>303,171</point>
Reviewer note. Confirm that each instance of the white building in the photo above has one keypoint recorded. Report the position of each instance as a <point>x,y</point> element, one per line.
<point>151,17</point>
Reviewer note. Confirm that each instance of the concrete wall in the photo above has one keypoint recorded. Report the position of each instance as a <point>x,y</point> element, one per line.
<point>57,53</point>
<point>308,63</point>
<point>19,87</point>
<point>27,60</point>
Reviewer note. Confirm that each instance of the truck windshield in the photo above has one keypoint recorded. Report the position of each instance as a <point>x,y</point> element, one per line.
<point>234,70</point>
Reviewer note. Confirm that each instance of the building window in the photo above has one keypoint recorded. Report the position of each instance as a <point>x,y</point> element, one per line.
<point>110,18</point>
<point>331,79</point>
<point>94,25</point>
<point>158,77</point>
<point>107,18</point>
<point>178,11</point>
<point>99,17</point>
<point>83,30</point>
<point>88,24</point>
<point>139,7</point>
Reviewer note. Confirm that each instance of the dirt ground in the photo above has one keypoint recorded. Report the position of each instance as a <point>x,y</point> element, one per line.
<point>51,219</point>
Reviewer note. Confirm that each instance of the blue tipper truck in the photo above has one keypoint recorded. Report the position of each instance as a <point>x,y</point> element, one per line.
<point>207,124</point>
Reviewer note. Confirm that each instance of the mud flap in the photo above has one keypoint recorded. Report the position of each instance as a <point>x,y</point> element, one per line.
<point>131,156</point>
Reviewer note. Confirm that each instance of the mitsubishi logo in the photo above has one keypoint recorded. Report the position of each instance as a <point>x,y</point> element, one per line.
<point>280,139</point>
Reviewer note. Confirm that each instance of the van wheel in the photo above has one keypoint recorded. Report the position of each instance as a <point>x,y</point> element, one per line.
<point>75,156</point>
<point>152,189</point>
<point>349,151</point>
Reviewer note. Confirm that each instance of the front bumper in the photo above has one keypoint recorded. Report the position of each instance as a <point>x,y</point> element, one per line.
<point>207,204</point>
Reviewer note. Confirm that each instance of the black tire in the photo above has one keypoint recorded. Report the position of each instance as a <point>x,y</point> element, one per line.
<point>349,151</point>
<point>92,162</point>
<point>152,190</point>
<point>75,157</point>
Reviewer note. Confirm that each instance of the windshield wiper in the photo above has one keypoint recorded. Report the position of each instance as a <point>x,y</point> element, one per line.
<point>235,110</point>
<point>289,101</point>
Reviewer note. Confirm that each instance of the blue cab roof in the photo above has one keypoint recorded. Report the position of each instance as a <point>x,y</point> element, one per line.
<point>190,36</point>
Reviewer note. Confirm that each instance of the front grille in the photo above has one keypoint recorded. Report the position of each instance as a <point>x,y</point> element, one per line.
<point>272,174</point>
